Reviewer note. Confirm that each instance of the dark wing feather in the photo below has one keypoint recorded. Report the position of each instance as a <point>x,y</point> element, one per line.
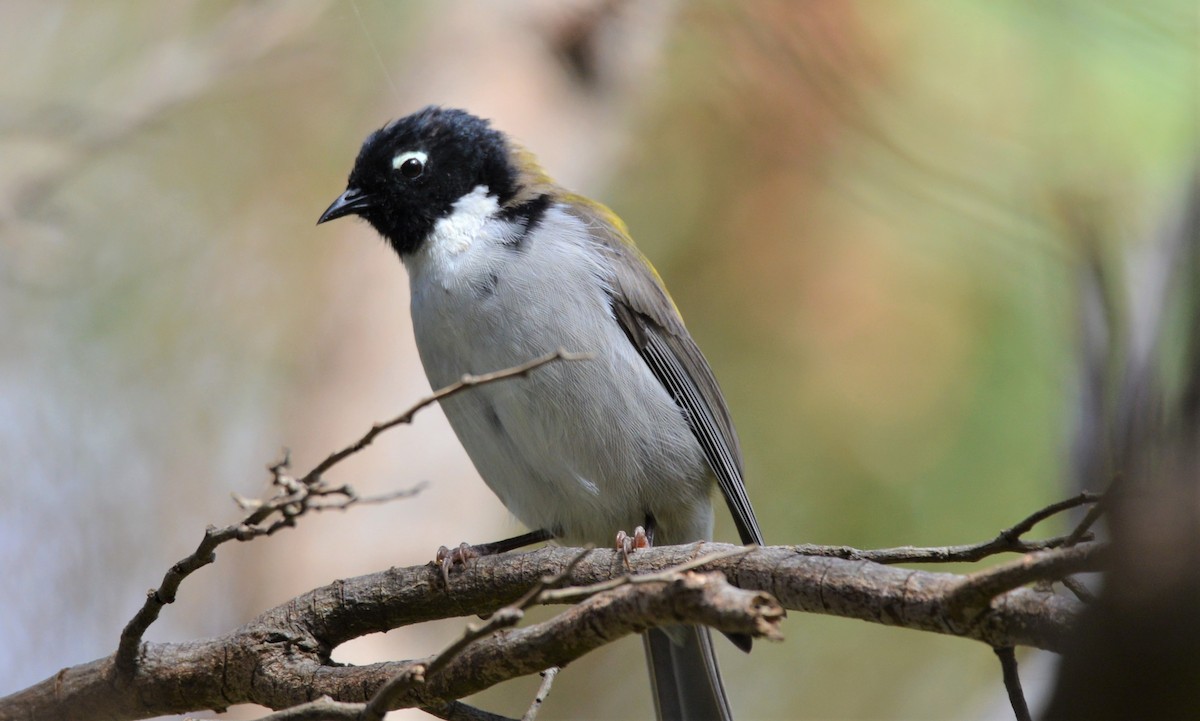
<point>652,323</point>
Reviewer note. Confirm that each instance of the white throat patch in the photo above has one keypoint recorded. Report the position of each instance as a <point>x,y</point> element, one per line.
<point>456,232</point>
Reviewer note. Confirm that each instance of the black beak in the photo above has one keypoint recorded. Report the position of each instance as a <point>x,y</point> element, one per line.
<point>351,202</point>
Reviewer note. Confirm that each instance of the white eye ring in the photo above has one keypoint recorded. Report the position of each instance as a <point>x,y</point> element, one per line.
<point>402,158</point>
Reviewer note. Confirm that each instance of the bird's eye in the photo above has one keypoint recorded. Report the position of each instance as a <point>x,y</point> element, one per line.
<point>411,164</point>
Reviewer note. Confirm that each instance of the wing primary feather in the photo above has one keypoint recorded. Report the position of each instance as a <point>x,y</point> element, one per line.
<point>719,450</point>
<point>650,320</point>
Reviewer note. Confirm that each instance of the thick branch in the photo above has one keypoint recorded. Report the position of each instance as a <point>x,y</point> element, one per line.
<point>282,658</point>
<point>633,608</point>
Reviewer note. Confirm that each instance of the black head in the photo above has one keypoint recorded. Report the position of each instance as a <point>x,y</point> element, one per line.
<point>409,173</point>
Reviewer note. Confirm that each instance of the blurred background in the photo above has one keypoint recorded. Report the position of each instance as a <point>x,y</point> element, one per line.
<point>875,218</point>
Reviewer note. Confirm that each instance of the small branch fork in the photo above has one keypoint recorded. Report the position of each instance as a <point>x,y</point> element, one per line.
<point>1007,541</point>
<point>975,592</point>
<point>294,497</point>
<point>1072,557</point>
<point>1052,559</point>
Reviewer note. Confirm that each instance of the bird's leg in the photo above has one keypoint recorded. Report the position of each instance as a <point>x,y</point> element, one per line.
<point>643,537</point>
<point>447,557</point>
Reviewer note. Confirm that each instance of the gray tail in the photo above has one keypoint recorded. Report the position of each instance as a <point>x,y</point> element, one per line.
<point>683,675</point>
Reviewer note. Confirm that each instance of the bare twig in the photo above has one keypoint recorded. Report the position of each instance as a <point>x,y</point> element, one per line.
<point>131,635</point>
<point>326,709</point>
<point>978,589</point>
<point>1026,525</point>
<point>385,698</point>
<point>575,594</point>
<point>467,381</point>
<point>322,709</point>
<point>459,711</point>
<point>1012,682</point>
<point>1081,591</point>
<point>289,504</point>
<point>543,691</point>
<point>293,498</point>
<point>1007,541</point>
<point>1089,520</point>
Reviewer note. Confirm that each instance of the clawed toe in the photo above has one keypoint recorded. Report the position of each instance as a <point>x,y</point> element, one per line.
<point>447,557</point>
<point>627,544</point>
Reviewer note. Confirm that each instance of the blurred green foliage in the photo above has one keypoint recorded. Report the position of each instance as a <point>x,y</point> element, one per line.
<point>888,189</point>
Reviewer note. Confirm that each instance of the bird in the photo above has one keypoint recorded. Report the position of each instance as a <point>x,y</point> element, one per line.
<point>505,265</point>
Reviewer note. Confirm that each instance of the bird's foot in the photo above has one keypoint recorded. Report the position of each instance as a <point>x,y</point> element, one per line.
<point>447,557</point>
<point>627,544</point>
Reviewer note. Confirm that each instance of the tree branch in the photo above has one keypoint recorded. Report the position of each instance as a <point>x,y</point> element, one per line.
<point>1007,541</point>
<point>543,691</point>
<point>977,590</point>
<point>1012,682</point>
<point>459,711</point>
<point>282,658</point>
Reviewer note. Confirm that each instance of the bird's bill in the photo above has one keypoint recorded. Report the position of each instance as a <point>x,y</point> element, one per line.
<point>351,202</point>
